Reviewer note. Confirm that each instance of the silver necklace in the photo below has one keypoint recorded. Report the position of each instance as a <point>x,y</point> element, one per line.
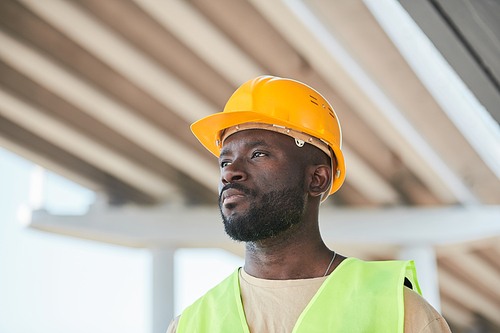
<point>331,262</point>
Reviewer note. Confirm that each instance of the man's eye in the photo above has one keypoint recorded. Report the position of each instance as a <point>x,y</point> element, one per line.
<point>258,154</point>
<point>224,164</point>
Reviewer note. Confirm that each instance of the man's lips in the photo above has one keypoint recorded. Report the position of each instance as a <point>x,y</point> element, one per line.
<point>231,195</point>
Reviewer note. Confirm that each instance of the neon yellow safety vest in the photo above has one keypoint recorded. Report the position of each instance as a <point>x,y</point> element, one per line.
<point>358,296</point>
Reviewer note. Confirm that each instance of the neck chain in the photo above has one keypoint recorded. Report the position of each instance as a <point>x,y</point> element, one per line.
<point>331,262</point>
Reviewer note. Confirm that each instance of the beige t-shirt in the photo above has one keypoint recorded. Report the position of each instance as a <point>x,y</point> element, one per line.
<point>275,306</point>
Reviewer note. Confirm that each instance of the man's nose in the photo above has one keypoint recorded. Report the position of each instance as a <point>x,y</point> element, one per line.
<point>234,172</point>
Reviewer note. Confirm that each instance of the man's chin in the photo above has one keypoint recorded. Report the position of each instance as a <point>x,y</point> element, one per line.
<point>234,209</point>
<point>235,225</point>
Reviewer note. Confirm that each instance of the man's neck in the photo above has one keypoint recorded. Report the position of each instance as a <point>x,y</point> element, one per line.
<point>298,253</point>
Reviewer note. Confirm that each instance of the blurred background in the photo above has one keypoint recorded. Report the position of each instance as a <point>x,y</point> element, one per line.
<point>108,216</point>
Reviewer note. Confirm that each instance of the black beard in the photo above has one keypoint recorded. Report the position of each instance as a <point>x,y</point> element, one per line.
<point>276,212</point>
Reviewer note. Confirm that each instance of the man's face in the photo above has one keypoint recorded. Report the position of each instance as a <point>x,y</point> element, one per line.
<point>261,192</point>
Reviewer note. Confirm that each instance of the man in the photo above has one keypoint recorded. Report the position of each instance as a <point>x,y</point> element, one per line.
<point>279,148</point>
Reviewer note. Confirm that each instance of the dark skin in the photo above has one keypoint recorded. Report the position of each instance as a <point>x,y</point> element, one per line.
<point>265,161</point>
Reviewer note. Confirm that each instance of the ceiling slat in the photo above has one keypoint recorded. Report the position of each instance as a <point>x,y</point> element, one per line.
<point>142,31</point>
<point>123,57</point>
<point>462,293</point>
<point>203,38</point>
<point>453,312</point>
<point>44,37</point>
<point>114,115</point>
<point>39,151</point>
<point>40,158</point>
<point>66,112</point>
<point>82,146</point>
<point>246,28</point>
<point>477,272</point>
<point>367,181</point>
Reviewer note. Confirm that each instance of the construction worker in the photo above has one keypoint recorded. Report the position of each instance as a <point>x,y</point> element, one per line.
<point>279,147</point>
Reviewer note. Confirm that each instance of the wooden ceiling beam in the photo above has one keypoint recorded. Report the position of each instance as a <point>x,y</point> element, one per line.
<point>367,181</point>
<point>68,113</point>
<point>455,313</point>
<point>113,50</point>
<point>147,34</point>
<point>86,148</point>
<point>205,39</point>
<point>26,25</point>
<point>462,293</point>
<point>476,272</point>
<point>39,156</point>
<point>251,33</point>
<point>65,112</point>
<point>118,117</point>
<point>41,152</point>
<point>491,254</point>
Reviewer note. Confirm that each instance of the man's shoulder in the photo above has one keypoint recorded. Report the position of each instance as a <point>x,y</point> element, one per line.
<point>420,316</point>
<point>172,328</point>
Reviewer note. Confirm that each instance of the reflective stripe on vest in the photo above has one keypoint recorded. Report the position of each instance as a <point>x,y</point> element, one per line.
<point>358,296</point>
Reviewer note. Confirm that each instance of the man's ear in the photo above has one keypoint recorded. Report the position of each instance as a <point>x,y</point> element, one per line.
<point>321,176</point>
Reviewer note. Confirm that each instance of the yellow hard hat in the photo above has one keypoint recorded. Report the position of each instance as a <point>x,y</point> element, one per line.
<point>281,105</point>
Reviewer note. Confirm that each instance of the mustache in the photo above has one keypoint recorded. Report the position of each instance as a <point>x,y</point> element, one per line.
<point>239,187</point>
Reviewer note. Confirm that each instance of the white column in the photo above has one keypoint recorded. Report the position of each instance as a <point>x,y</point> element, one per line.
<point>161,299</point>
<point>427,274</point>
<point>37,184</point>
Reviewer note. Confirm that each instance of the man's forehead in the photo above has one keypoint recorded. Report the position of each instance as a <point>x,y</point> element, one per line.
<point>252,138</point>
